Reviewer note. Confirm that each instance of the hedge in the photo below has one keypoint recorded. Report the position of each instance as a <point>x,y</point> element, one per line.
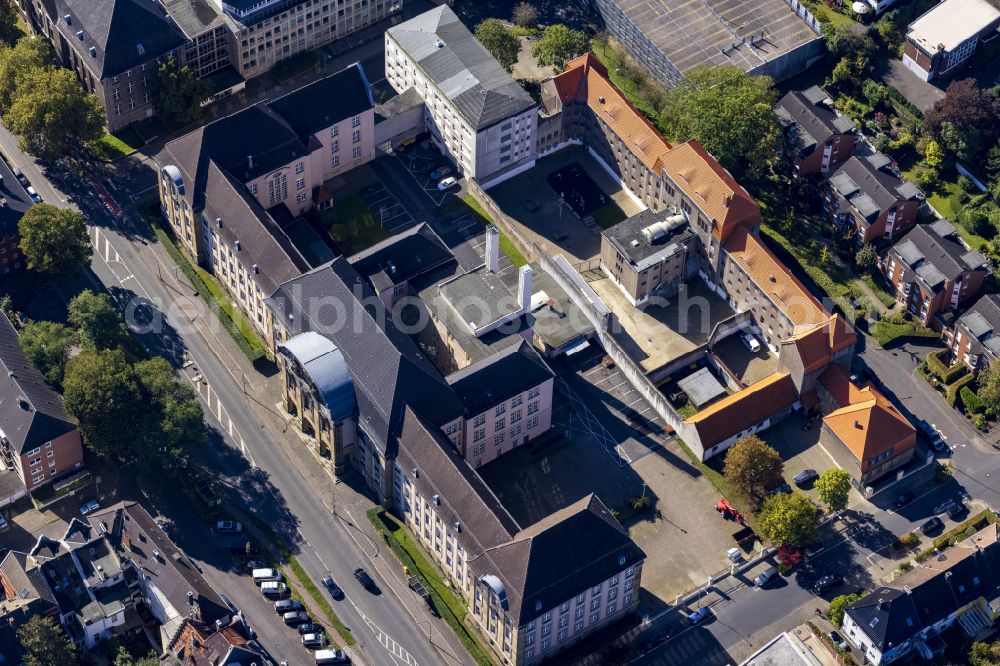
<point>972,402</point>
<point>957,533</point>
<point>947,374</point>
<point>954,389</point>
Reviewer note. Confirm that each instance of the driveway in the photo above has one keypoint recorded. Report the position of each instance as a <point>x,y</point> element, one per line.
<point>917,92</point>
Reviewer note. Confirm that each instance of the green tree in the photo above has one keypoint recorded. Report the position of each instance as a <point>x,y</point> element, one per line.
<point>984,654</point>
<point>98,320</point>
<point>989,389</point>
<point>101,389</point>
<point>834,486</point>
<point>47,345</point>
<point>731,113</point>
<point>789,520</point>
<point>933,155</point>
<point>844,40</point>
<point>123,658</point>
<point>10,31</point>
<point>866,258</point>
<point>837,607</point>
<point>44,643</point>
<point>181,422</point>
<point>559,44</point>
<point>993,162</point>
<point>26,56</point>
<point>54,240</point>
<point>499,41</point>
<point>525,14</point>
<point>752,467</point>
<point>179,94</point>
<point>51,112</point>
<point>964,120</point>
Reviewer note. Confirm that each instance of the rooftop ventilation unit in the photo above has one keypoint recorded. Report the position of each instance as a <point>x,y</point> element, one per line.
<point>660,229</point>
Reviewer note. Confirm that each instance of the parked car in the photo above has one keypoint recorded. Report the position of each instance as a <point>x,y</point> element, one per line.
<point>266,574</point>
<point>805,476</point>
<point>781,488</point>
<point>699,616</point>
<point>447,184</point>
<point>441,172</point>
<point>332,587</point>
<point>292,618</point>
<point>365,580</point>
<point>938,444</point>
<point>21,178</point>
<point>734,555</point>
<point>286,605</point>
<point>34,195</point>
<point>766,577</point>
<point>326,657</point>
<point>89,507</point>
<point>957,511</point>
<point>904,499</point>
<point>3,522</point>
<point>228,527</point>
<point>309,628</point>
<point>826,583</point>
<point>838,640</point>
<point>314,640</point>
<point>273,589</point>
<point>933,525</point>
<point>750,342</point>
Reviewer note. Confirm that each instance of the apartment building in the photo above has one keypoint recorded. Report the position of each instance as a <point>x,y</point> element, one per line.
<point>391,266</point>
<point>909,616</point>
<point>974,337</point>
<point>866,196</point>
<point>817,138</point>
<point>768,37</point>
<point>646,255</point>
<point>223,186</point>
<point>14,202</point>
<point>947,35</point>
<point>38,439</point>
<point>932,271</point>
<point>475,112</point>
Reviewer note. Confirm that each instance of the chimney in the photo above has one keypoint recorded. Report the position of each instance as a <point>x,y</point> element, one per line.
<point>728,199</point>
<point>524,288</point>
<point>250,162</point>
<point>857,424</point>
<point>492,249</point>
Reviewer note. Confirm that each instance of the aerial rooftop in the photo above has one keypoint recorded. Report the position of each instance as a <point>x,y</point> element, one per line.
<point>648,238</point>
<point>951,22</point>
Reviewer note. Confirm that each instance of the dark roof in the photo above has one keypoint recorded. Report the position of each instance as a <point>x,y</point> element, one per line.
<point>402,257</point>
<point>26,579</point>
<point>887,616</point>
<point>326,102</point>
<point>388,370</point>
<point>933,253</point>
<point>861,175</point>
<point>648,238</point>
<point>194,17</point>
<point>460,67</point>
<point>982,322</point>
<point>16,201</point>
<point>134,532</point>
<point>124,33</point>
<point>31,413</point>
<point>497,378</point>
<point>806,112</point>
<point>562,555</point>
<point>398,104</point>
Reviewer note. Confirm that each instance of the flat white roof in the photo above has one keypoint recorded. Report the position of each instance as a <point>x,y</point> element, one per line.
<point>951,23</point>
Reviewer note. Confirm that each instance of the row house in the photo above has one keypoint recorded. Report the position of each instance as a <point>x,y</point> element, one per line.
<point>817,137</point>
<point>974,338</point>
<point>475,112</point>
<point>947,35</point>
<point>932,271</point>
<point>39,440</point>
<point>867,197</point>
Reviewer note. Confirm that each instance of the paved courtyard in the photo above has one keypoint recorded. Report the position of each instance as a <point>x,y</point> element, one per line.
<point>658,334</point>
<point>544,220</point>
<point>750,367</point>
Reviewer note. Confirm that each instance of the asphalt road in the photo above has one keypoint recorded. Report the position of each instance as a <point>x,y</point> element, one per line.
<point>387,630</point>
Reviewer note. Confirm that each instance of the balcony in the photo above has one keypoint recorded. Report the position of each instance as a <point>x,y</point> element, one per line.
<point>975,618</point>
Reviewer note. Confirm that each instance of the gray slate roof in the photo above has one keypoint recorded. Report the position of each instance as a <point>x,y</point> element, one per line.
<point>325,102</point>
<point>982,322</point>
<point>642,252</point>
<point>194,17</point>
<point>806,112</point>
<point>402,257</point>
<point>460,67</point>
<point>933,257</point>
<point>499,377</point>
<point>124,33</point>
<point>31,413</point>
<point>870,175</point>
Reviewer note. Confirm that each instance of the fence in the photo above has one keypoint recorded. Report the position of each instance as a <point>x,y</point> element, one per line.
<point>805,15</point>
<point>500,219</point>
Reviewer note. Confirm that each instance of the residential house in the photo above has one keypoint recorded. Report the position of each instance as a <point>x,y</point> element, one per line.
<point>932,271</point>
<point>14,202</point>
<point>907,617</point>
<point>38,438</point>
<point>197,644</point>
<point>947,35</point>
<point>867,197</point>
<point>863,421</point>
<point>475,112</point>
<point>817,137</point>
<point>974,338</point>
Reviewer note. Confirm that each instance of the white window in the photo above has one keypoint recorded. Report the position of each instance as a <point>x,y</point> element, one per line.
<point>300,183</point>
<point>356,153</point>
<point>333,131</point>
<point>253,188</point>
<point>335,162</point>
<point>335,146</point>
<point>356,137</point>
<point>300,167</point>
<point>355,121</point>
<point>498,440</point>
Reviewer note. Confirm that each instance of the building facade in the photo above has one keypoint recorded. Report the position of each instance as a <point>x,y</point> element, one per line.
<point>974,338</point>
<point>817,138</point>
<point>948,35</point>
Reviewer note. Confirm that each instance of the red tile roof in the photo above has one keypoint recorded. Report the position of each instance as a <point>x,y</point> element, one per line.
<point>744,409</point>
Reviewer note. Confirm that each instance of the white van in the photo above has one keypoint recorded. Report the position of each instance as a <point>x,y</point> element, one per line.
<point>273,589</point>
<point>330,657</point>
<point>264,575</point>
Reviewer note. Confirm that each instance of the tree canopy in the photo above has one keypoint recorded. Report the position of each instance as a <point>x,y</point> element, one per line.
<point>51,111</point>
<point>54,240</point>
<point>47,345</point>
<point>26,56</point>
<point>179,93</point>
<point>834,486</point>
<point>499,41</point>
<point>837,607</point>
<point>752,467</point>
<point>10,31</point>
<point>731,113</point>
<point>789,520</point>
<point>44,643</point>
<point>559,44</point>
<point>964,121</point>
<point>989,389</point>
<point>866,258</point>
<point>98,320</point>
<point>101,389</point>
<point>525,14</point>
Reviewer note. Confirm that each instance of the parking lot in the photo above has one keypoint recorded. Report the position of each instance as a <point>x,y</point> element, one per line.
<point>386,207</point>
<point>750,367</point>
<point>421,163</point>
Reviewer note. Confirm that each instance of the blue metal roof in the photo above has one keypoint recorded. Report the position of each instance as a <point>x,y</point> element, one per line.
<point>497,588</point>
<point>325,365</point>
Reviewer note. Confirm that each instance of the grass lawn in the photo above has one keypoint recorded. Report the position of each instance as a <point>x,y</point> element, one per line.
<point>110,147</point>
<point>886,332</point>
<point>822,11</point>
<point>944,199</point>
<point>352,225</point>
<point>888,300</point>
<point>526,30</point>
<point>609,215</point>
<point>506,245</point>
